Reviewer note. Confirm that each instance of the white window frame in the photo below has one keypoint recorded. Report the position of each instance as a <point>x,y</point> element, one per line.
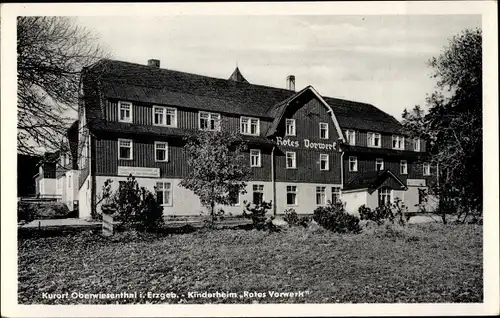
<point>321,190</point>
<point>377,161</point>
<point>327,134</point>
<point>164,143</point>
<point>247,122</point>
<point>165,109</point>
<point>131,110</point>
<point>296,192</point>
<point>416,144</point>
<point>336,190</point>
<point>373,134</point>
<point>324,157</point>
<point>257,153</point>
<point>131,149</point>
<point>383,192</point>
<point>399,140</point>
<point>170,192</point>
<point>258,188</point>
<point>355,160</point>
<point>426,169</point>
<point>349,132</point>
<point>403,163</point>
<point>293,125</point>
<point>294,162</point>
<point>217,120</point>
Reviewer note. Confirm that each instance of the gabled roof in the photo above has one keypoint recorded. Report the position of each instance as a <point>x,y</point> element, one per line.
<point>372,180</point>
<point>140,83</point>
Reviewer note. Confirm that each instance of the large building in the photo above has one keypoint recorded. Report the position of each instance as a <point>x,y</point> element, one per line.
<point>304,148</point>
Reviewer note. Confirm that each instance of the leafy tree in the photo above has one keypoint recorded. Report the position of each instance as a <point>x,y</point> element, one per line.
<point>51,52</point>
<point>453,125</point>
<point>218,169</point>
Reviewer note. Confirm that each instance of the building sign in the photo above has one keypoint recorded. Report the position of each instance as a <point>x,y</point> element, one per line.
<point>306,143</point>
<point>139,171</point>
<point>415,182</point>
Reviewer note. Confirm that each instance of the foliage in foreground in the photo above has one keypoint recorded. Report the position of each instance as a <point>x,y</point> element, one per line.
<point>425,263</point>
<point>29,211</point>
<point>388,212</point>
<point>257,213</point>
<point>334,217</point>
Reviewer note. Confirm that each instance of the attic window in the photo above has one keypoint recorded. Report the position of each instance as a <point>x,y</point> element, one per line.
<point>209,121</point>
<point>249,126</point>
<point>398,142</point>
<point>373,140</point>
<point>125,112</point>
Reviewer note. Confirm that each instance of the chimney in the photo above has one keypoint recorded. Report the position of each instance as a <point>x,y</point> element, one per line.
<point>154,63</point>
<point>290,82</point>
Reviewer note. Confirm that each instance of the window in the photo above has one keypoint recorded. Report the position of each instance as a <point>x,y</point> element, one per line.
<point>258,193</point>
<point>254,157</point>
<point>323,130</point>
<point>384,196</point>
<point>209,121</point>
<point>373,140</point>
<point>320,195</point>
<point>421,196</point>
<point>416,144</point>
<point>427,169</point>
<point>351,137</point>
<point>379,164</point>
<point>290,127</point>
<point>291,195</point>
<point>161,151</point>
<point>164,193</point>
<point>291,160</point>
<point>353,163</point>
<point>336,194</point>
<point>165,116</point>
<point>324,162</point>
<point>125,112</point>
<point>398,142</point>
<point>249,126</point>
<point>234,197</point>
<point>403,165</point>
<point>125,149</point>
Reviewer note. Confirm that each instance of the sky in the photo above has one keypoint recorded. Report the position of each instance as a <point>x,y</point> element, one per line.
<point>381,60</point>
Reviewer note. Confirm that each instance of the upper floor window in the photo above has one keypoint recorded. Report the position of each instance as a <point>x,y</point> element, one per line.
<point>351,137</point>
<point>291,160</point>
<point>161,151</point>
<point>165,116</point>
<point>416,144</point>
<point>249,126</point>
<point>290,127</point>
<point>398,142</point>
<point>324,162</point>
<point>373,140</point>
<point>125,149</point>
<point>209,121</point>
<point>427,169</point>
<point>323,130</point>
<point>353,163</point>
<point>403,165</point>
<point>320,195</point>
<point>379,164</point>
<point>125,112</point>
<point>254,157</point>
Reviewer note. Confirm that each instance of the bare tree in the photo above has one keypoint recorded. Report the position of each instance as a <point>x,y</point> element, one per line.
<point>51,52</point>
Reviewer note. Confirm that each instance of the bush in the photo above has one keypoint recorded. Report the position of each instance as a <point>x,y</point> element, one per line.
<point>333,217</point>
<point>29,211</point>
<point>257,212</point>
<point>291,217</point>
<point>136,206</point>
<point>383,213</point>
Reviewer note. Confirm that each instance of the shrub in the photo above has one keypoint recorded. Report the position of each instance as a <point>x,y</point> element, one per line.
<point>333,217</point>
<point>29,211</point>
<point>257,212</point>
<point>291,217</point>
<point>383,213</point>
<point>136,206</point>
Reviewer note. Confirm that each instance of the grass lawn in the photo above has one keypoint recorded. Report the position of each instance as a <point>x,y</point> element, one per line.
<point>421,263</point>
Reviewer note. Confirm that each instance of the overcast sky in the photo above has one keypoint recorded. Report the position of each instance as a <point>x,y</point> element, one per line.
<point>375,59</point>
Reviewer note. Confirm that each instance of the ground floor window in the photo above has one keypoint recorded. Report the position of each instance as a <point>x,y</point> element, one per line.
<point>291,195</point>
<point>234,197</point>
<point>421,196</point>
<point>320,195</point>
<point>336,194</point>
<point>258,193</point>
<point>384,196</point>
<point>164,193</point>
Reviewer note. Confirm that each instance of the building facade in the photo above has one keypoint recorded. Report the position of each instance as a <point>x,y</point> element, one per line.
<point>304,149</point>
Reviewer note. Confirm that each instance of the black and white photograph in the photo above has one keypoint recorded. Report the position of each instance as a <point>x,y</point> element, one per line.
<point>172,156</point>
